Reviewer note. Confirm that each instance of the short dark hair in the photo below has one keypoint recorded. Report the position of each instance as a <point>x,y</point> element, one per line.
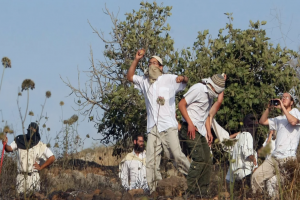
<point>135,137</point>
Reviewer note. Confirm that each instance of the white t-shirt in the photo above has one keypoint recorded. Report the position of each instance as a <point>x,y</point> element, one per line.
<point>287,135</point>
<point>165,86</point>
<point>198,106</point>
<point>36,154</point>
<point>242,149</point>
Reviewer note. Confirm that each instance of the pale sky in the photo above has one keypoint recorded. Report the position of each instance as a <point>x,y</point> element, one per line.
<point>46,39</point>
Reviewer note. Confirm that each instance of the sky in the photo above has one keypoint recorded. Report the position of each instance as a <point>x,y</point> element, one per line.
<point>49,39</point>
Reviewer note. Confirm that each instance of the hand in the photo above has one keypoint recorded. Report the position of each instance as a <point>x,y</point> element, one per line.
<point>280,106</point>
<point>37,166</point>
<point>139,54</point>
<point>210,138</point>
<point>191,131</point>
<point>179,79</point>
<point>4,141</point>
<point>254,162</point>
<point>225,77</point>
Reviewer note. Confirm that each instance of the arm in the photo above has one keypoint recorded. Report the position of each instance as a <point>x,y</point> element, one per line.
<point>291,119</point>
<point>208,130</point>
<point>233,135</point>
<point>7,147</point>
<point>252,158</point>
<point>214,109</point>
<point>182,79</point>
<point>264,118</point>
<point>191,127</point>
<point>132,68</point>
<point>48,162</point>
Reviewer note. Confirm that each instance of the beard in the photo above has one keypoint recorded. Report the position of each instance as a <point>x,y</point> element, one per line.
<point>139,148</point>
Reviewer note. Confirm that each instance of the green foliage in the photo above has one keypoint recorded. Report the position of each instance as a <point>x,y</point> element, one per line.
<point>125,112</point>
<point>256,70</point>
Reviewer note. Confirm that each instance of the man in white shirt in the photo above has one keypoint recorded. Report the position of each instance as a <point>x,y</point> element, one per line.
<point>243,153</point>
<point>31,153</point>
<point>287,129</point>
<point>133,167</point>
<point>195,107</point>
<point>159,91</point>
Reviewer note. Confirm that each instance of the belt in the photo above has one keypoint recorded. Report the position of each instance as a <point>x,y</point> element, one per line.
<point>25,173</point>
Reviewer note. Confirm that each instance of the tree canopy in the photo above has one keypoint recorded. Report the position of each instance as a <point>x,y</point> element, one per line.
<point>256,69</point>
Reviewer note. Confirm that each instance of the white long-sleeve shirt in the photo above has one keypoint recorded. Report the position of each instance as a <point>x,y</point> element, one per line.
<point>241,166</point>
<point>134,171</point>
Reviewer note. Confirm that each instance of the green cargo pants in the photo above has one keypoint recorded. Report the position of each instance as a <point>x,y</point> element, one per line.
<point>198,177</point>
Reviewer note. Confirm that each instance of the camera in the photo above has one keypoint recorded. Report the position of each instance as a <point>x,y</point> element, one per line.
<point>274,102</point>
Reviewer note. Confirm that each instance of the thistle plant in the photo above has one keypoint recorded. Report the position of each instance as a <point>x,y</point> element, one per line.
<point>6,64</point>
<point>48,95</point>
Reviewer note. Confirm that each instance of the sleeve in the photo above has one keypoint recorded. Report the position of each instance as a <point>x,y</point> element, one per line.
<point>247,148</point>
<point>14,146</point>
<point>138,82</point>
<point>296,113</point>
<point>48,153</point>
<point>191,95</point>
<point>177,86</point>
<point>124,175</point>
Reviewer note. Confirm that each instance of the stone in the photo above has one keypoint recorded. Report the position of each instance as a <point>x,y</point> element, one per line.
<point>136,192</point>
<point>173,186</point>
<point>127,196</point>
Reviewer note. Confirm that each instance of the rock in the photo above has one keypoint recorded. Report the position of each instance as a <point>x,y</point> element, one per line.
<point>107,195</point>
<point>127,196</point>
<point>173,186</point>
<point>97,191</point>
<point>154,195</point>
<point>136,192</point>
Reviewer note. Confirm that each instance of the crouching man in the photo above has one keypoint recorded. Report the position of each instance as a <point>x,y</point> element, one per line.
<point>243,156</point>
<point>287,128</point>
<point>31,153</point>
<point>133,167</point>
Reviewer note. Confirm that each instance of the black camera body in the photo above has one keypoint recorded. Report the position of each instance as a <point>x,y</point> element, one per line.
<point>274,102</point>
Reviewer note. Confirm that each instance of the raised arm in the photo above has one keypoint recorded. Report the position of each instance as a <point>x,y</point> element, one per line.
<point>264,118</point>
<point>135,62</point>
<point>7,147</point>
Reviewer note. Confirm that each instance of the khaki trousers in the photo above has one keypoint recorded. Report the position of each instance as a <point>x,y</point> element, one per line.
<point>271,167</point>
<point>169,142</point>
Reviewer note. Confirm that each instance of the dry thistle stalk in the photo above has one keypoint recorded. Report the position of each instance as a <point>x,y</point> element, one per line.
<point>48,129</point>
<point>19,94</point>
<point>160,101</point>
<point>61,103</point>
<point>48,94</point>
<point>6,62</point>
<point>28,84</point>
<point>44,125</point>
<point>31,113</point>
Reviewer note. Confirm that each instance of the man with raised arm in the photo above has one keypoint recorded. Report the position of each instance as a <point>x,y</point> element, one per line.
<point>159,91</point>
<point>32,154</point>
<point>195,108</point>
<point>287,129</point>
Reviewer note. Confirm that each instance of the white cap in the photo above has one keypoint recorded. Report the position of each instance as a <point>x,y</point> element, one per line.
<point>158,59</point>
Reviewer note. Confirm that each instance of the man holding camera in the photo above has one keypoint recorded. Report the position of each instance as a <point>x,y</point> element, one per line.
<point>159,91</point>
<point>287,128</point>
